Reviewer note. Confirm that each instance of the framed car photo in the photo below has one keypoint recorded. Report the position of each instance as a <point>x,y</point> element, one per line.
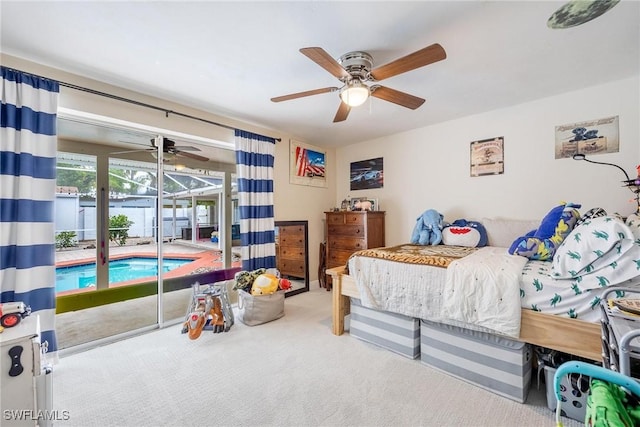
<point>367,174</point>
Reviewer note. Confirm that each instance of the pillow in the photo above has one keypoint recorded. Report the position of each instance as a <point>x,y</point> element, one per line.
<point>464,233</point>
<point>541,244</point>
<point>501,232</point>
<point>591,213</point>
<point>633,222</point>
<point>591,246</point>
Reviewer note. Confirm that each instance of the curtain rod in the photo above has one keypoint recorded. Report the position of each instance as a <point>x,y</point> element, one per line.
<point>131,101</point>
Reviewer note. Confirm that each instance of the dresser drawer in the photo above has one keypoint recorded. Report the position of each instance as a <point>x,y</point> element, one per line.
<point>345,218</point>
<point>346,230</point>
<point>291,252</point>
<point>337,258</point>
<point>354,219</point>
<point>291,267</point>
<point>346,243</point>
<point>291,240</point>
<point>291,231</point>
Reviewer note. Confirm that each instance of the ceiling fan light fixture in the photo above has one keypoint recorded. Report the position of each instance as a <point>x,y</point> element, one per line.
<point>354,93</point>
<point>165,156</point>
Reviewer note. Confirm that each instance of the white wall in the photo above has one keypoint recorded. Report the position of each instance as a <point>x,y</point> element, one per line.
<point>428,168</point>
<point>300,202</point>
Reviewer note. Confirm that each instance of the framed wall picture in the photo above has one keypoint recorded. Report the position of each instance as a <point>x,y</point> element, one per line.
<point>487,156</point>
<point>589,137</point>
<point>367,174</point>
<point>307,165</point>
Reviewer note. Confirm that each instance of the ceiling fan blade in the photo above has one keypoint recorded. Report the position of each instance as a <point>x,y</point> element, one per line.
<point>420,58</point>
<point>186,148</point>
<point>323,59</point>
<point>303,94</point>
<point>397,97</point>
<point>342,113</point>
<point>191,155</point>
<point>132,151</point>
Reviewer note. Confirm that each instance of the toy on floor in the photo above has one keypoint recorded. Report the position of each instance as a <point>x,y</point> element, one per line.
<point>266,284</point>
<point>607,405</point>
<point>11,313</point>
<point>261,281</point>
<point>612,399</point>
<point>209,309</point>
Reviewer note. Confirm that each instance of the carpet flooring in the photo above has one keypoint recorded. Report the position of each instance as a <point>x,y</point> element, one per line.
<point>290,372</point>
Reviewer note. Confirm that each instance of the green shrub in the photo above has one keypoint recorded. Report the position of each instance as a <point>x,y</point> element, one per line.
<point>119,229</point>
<point>66,239</point>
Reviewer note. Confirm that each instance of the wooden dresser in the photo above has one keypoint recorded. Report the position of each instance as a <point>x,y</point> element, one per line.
<point>352,231</point>
<point>291,249</point>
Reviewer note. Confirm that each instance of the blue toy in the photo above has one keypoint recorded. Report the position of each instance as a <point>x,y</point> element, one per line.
<point>461,232</point>
<point>428,228</point>
<point>541,244</point>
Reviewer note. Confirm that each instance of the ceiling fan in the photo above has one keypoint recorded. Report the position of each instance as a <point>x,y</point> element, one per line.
<point>169,147</point>
<point>355,69</point>
<point>578,12</point>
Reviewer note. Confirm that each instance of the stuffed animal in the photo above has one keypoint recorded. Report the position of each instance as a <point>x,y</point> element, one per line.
<point>541,244</point>
<point>265,284</point>
<point>428,228</point>
<point>362,205</point>
<point>262,281</point>
<point>461,232</point>
<point>244,279</point>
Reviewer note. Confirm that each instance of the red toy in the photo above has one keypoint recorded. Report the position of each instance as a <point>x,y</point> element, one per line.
<point>11,313</point>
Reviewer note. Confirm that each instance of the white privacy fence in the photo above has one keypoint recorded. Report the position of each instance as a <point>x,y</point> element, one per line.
<point>71,216</point>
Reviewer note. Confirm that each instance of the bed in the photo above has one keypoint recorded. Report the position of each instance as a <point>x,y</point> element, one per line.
<point>565,318</point>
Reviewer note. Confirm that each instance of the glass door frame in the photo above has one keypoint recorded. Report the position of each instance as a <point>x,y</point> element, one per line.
<point>102,234</point>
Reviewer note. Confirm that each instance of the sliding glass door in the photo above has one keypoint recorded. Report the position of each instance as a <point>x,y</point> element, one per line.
<point>140,225</point>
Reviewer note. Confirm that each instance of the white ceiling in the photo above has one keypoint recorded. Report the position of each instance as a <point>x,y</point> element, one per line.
<point>230,58</point>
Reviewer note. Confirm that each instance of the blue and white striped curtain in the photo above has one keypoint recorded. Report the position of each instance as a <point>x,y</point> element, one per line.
<point>254,160</point>
<point>28,146</point>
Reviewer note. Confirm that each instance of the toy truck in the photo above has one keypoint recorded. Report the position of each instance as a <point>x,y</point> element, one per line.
<point>11,313</point>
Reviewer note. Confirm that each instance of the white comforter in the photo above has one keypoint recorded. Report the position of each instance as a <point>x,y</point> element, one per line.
<point>484,289</point>
<point>472,294</point>
<point>410,289</point>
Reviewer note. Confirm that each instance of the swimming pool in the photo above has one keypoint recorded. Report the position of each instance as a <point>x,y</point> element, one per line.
<point>120,270</point>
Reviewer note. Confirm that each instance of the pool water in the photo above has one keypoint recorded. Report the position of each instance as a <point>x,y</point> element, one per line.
<point>120,270</point>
